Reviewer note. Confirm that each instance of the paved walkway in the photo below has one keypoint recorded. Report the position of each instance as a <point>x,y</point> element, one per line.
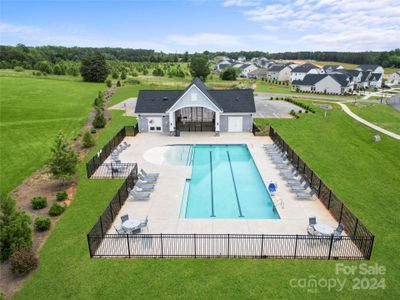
<point>365,122</point>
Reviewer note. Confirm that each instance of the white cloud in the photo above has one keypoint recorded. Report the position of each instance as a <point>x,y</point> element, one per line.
<point>70,36</point>
<point>241,3</point>
<point>7,28</point>
<point>271,27</point>
<point>332,24</point>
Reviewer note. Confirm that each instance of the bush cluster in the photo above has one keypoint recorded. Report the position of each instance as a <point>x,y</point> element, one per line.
<point>15,228</point>
<point>42,223</point>
<point>56,210</point>
<point>39,202</point>
<point>23,261</point>
<point>306,107</point>
<point>87,140</point>
<point>60,196</point>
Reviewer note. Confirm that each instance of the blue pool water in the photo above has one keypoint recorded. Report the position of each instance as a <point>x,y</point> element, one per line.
<point>225,183</point>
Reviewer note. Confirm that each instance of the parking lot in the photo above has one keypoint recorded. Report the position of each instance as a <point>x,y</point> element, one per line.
<point>264,108</point>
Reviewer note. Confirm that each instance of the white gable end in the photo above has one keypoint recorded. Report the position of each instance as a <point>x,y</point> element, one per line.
<point>194,97</point>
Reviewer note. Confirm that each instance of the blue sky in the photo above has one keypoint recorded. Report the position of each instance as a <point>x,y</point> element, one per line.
<point>198,25</point>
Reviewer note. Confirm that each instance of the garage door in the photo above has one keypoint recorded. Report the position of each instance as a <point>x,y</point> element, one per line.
<point>235,124</point>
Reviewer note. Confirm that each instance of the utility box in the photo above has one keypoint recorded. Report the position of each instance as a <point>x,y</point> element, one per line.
<point>376,138</point>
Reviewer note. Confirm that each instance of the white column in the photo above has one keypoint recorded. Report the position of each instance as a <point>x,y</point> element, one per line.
<point>172,121</point>
<point>217,121</point>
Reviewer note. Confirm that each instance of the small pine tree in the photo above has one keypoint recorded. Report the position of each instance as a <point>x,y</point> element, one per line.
<point>87,140</point>
<point>64,160</point>
<point>16,229</point>
<point>99,121</point>
<point>108,83</point>
<point>123,75</point>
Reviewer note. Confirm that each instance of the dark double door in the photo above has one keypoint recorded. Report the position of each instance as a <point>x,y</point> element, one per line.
<point>195,119</point>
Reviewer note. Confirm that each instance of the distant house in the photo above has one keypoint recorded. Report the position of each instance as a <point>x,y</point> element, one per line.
<point>279,72</point>
<point>331,68</point>
<point>364,82</point>
<point>375,80</point>
<point>222,65</point>
<point>257,74</point>
<point>394,78</point>
<point>195,108</point>
<point>261,62</point>
<point>355,76</point>
<point>299,72</point>
<point>237,65</point>
<point>246,69</point>
<point>371,68</point>
<point>337,84</point>
<point>241,58</point>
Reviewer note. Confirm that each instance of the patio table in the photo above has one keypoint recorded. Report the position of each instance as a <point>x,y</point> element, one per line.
<point>324,229</point>
<point>130,225</point>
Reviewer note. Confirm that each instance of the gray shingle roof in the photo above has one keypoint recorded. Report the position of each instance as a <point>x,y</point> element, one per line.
<point>304,68</point>
<point>309,79</point>
<point>365,76</point>
<point>230,101</point>
<point>353,73</point>
<point>367,67</point>
<point>312,79</point>
<point>375,76</point>
<point>277,68</point>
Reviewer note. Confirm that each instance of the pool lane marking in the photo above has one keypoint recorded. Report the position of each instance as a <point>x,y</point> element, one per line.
<point>212,192</point>
<point>234,185</point>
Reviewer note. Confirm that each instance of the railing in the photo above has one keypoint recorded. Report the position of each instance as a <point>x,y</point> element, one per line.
<point>338,210</point>
<point>227,246</point>
<point>357,244</point>
<point>113,170</point>
<point>107,218</point>
<point>96,161</point>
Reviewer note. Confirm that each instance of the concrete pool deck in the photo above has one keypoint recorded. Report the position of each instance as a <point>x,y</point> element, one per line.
<point>164,205</point>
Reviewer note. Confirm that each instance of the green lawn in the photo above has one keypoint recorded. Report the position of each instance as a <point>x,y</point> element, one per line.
<point>32,112</point>
<point>363,173</point>
<point>380,114</point>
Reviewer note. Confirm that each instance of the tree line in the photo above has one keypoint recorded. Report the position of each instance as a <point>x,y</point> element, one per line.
<point>60,60</point>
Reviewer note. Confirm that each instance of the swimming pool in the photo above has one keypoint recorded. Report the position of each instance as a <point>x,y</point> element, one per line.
<point>225,183</point>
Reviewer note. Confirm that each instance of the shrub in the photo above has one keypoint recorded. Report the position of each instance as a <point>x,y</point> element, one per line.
<point>56,210</point>
<point>23,261</point>
<point>228,74</point>
<point>39,202</point>
<point>60,196</point>
<point>109,83</point>
<point>132,81</point>
<point>123,75</point>
<point>93,130</point>
<point>87,140</point>
<point>94,67</point>
<point>42,223</point>
<point>15,225</point>
<point>99,121</point>
<point>18,69</point>
<point>115,75</point>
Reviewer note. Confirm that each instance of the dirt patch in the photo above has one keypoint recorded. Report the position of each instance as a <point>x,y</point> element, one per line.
<point>40,184</point>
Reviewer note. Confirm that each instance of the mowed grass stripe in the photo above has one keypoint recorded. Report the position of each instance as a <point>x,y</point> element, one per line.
<point>32,112</point>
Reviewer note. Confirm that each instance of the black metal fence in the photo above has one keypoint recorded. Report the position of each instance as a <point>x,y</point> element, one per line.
<point>96,161</point>
<point>107,218</point>
<point>227,246</point>
<point>356,245</point>
<point>335,206</point>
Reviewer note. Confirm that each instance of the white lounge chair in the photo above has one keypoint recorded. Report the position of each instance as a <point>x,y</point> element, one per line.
<point>149,175</point>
